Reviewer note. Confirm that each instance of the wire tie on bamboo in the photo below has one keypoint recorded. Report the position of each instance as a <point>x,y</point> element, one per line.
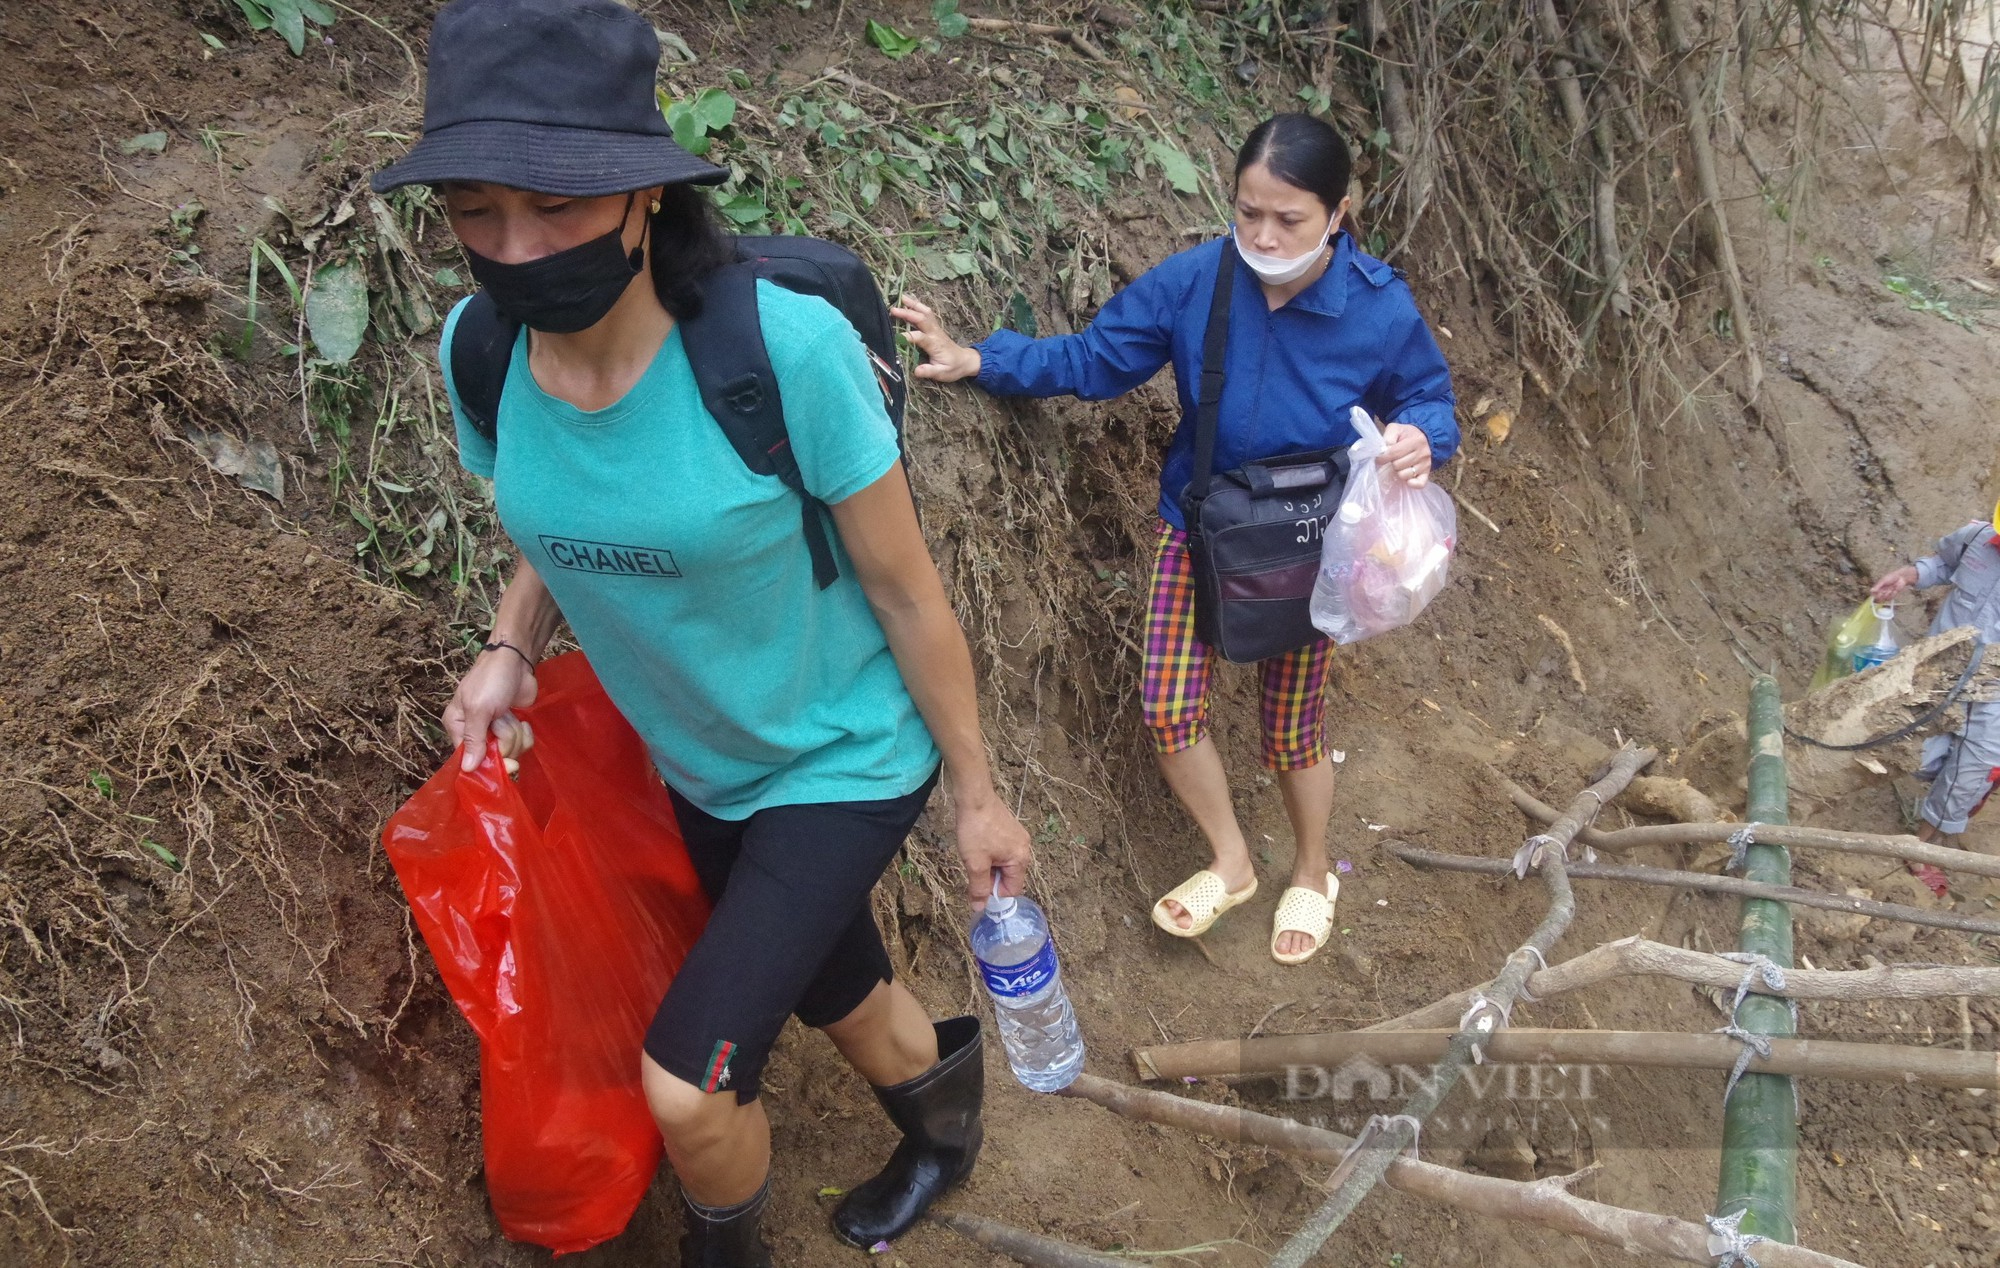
<point>1529,856</point>
<point>1758,966</point>
<point>1540,959</point>
<point>1383,1122</point>
<point>1486,1024</point>
<point>1740,842</point>
<point>1728,1243</point>
<point>1754,1044</point>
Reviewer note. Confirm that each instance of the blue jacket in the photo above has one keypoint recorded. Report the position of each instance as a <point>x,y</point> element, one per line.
<point>1354,337</point>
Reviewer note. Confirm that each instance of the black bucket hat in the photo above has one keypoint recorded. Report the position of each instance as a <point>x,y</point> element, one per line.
<point>554,96</point>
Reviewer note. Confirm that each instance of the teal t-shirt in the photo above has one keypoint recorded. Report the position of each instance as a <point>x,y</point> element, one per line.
<point>686,579</point>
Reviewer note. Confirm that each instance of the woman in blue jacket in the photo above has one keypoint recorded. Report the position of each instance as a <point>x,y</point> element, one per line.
<point>1337,328</point>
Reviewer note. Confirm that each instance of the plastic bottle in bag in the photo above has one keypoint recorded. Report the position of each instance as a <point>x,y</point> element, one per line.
<point>1882,643</point>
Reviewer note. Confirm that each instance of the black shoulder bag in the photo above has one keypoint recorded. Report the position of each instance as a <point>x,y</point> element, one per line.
<point>1254,533</point>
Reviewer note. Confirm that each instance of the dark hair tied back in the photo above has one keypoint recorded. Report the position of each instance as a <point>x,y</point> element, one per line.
<point>1301,151</point>
<point>687,246</point>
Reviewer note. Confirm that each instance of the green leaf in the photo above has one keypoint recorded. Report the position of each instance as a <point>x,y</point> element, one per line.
<point>1176,166</point>
<point>150,142</point>
<point>211,41</point>
<point>950,22</point>
<point>935,265</point>
<point>1021,314</point>
<point>745,209</point>
<point>893,43</point>
<point>337,311</point>
<point>961,263</point>
<point>284,271</point>
<point>447,277</point>
<point>102,783</point>
<point>714,109</point>
<point>318,13</point>
<point>164,854</point>
<point>255,14</point>
<point>290,22</point>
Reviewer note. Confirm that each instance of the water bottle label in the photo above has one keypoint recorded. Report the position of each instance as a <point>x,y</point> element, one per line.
<point>1869,657</point>
<point>1016,980</point>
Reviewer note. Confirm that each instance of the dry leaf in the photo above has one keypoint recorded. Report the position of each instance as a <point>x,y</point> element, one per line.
<point>1499,425</point>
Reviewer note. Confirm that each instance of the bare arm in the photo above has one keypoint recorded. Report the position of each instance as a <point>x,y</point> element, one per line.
<point>503,680</point>
<point>879,528</point>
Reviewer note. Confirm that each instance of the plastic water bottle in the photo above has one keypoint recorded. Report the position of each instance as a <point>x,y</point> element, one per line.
<point>1017,957</point>
<point>1884,644</point>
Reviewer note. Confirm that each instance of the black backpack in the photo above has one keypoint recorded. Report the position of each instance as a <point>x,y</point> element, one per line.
<point>725,347</point>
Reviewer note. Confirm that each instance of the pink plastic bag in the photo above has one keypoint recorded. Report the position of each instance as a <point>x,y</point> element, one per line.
<point>558,909</point>
<point>1388,548</point>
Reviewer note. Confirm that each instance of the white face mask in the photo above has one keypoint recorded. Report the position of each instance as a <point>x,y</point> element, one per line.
<point>1277,269</point>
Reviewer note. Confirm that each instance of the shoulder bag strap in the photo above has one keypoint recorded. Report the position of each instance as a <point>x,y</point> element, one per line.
<point>1214,351</point>
<point>732,367</point>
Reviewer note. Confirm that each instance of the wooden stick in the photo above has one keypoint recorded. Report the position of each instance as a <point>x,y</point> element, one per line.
<point>1712,884</point>
<point>1008,26</point>
<point>1545,1203</point>
<point>1377,1147</point>
<point>1022,1246</point>
<point>1907,848</point>
<point>1819,1058</point>
<point>1638,957</point>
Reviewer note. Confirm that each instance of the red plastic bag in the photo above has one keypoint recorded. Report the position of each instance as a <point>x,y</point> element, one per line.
<point>558,908</point>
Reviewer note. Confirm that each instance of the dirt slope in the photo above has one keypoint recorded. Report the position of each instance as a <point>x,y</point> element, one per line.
<point>223,1044</point>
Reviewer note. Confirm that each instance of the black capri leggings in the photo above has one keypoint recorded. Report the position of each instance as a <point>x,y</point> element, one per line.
<point>791,932</point>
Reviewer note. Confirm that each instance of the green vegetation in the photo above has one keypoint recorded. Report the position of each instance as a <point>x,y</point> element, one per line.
<point>293,19</point>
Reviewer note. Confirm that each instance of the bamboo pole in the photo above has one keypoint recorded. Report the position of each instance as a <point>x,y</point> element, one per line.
<point>1545,1203</point>
<point>1760,1117</point>
<point>1882,845</point>
<point>1379,1145</point>
<point>1638,957</point>
<point>1324,1054</point>
<point>1712,884</point>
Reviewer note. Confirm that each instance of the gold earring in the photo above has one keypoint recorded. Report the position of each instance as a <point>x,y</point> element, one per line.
<point>656,206</point>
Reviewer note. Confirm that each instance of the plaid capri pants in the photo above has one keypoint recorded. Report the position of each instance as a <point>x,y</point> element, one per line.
<point>1174,685</point>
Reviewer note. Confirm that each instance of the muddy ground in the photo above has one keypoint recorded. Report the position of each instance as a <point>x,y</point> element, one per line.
<point>225,1045</point>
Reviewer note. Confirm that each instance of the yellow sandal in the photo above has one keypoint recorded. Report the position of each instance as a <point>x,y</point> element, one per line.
<point>1204,897</point>
<point>1304,911</point>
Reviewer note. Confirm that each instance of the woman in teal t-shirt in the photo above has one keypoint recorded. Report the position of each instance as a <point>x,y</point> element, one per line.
<point>800,727</point>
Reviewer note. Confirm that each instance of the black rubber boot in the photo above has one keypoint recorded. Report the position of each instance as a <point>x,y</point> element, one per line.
<point>725,1236</point>
<point>938,1112</point>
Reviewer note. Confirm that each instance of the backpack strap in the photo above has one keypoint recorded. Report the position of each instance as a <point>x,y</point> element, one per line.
<point>1214,352</point>
<point>482,345</point>
<point>732,367</point>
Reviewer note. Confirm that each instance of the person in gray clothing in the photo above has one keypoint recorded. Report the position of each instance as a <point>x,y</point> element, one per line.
<point>1961,768</point>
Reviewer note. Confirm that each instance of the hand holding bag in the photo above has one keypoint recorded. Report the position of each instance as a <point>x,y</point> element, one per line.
<point>1254,532</point>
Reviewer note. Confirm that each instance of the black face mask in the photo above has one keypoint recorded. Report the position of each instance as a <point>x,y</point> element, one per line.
<point>566,292</point>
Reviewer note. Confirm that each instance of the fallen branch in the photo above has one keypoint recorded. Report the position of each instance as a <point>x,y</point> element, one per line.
<point>1022,1246</point>
<point>1907,848</point>
<point>1712,884</point>
<point>1545,1203</point>
<point>1383,1141</point>
<point>1009,26</point>
<point>1638,957</point>
<point>1644,1049</point>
